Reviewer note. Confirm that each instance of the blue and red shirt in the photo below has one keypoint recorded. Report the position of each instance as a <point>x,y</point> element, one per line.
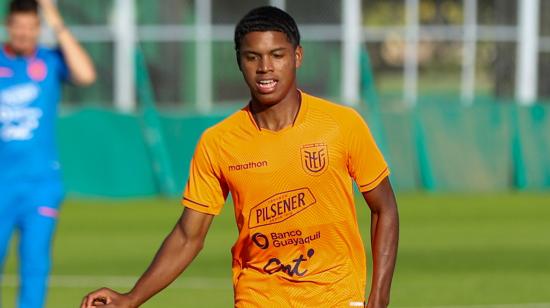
<point>30,90</point>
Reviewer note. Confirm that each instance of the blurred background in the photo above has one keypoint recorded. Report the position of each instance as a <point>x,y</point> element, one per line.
<point>456,93</point>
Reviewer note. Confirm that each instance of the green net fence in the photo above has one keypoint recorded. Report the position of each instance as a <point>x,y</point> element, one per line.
<point>490,146</point>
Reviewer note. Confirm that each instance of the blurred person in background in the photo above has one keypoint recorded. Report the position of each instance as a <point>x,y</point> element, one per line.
<point>288,160</point>
<point>31,191</point>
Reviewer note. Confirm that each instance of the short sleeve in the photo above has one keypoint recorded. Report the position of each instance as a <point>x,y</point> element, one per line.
<point>206,190</point>
<point>62,69</point>
<point>366,165</point>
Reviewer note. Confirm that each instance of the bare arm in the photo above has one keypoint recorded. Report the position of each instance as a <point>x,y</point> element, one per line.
<point>178,250</point>
<point>80,65</point>
<point>384,240</point>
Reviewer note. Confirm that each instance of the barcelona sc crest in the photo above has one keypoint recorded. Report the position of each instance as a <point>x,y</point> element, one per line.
<point>314,158</point>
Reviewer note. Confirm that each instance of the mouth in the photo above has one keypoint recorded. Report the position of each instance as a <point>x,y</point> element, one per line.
<point>266,85</point>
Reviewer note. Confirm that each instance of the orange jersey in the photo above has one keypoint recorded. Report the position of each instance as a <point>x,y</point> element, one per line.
<point>299,243</point>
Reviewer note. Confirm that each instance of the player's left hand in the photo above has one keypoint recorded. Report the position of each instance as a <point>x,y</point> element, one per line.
<point>45,3</point>
<point>106,298</point>
<point>51,14</point>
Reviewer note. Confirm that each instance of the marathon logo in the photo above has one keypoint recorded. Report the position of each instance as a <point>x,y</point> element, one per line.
<point>280,207</point>
<point>249,165</point>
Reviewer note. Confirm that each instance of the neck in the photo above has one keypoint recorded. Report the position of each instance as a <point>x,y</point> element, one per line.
<point>277,116</point>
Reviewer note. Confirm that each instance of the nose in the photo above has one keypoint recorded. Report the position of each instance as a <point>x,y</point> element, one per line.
<point>265,65</point>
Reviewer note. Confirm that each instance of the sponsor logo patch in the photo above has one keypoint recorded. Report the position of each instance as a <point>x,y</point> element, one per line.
<point>275,265</point>
<point>260,240</point>
<point>47,212</point>
<point>286,238</point>
<point>280,207</point>
<point>314,158</point>
<point>249,165</point>
<point>293,238</point>
<point>37,70</point>
<point>5,72</point>
<point>18,119</point>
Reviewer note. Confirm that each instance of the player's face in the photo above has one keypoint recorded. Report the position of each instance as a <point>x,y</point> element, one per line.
<point>268,62</point>
<point>23,31</point>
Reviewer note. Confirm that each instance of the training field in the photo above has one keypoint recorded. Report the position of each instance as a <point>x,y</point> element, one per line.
<point>455,251</point>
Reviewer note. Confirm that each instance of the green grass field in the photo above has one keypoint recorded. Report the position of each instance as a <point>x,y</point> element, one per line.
<point>455,250</point>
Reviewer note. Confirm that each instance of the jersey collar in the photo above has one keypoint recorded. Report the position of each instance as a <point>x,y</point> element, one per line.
<point>304,101</point>
<point>10,54</point>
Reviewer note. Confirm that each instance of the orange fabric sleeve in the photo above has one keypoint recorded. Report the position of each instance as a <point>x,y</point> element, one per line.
<point>206,190</point>
<point>366,165</point>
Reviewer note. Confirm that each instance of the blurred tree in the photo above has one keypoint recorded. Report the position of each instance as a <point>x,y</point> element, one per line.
<point>505,13</point>
<point>452,11</point>
<point>164,59</point>
<point>383,12</point>
<point>544,60</point>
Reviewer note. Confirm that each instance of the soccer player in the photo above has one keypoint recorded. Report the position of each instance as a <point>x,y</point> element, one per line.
<point>288,159</point>
<point>30,186</point>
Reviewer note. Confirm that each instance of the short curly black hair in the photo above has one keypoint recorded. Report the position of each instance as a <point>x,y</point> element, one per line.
<point>266,18</point>
<point>23,6</point>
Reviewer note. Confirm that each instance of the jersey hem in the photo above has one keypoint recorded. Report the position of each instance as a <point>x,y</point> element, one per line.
<point>372,185</point>
<point>199,207</point>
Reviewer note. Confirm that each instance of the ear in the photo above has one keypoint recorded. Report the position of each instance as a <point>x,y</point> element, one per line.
<point>7,21</point>
<point>298,54</point>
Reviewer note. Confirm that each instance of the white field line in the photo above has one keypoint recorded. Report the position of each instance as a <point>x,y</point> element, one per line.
<point>195,283</point>
<point>84,281</point>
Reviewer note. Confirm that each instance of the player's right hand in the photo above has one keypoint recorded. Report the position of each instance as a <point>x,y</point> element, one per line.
<point>106,298</point>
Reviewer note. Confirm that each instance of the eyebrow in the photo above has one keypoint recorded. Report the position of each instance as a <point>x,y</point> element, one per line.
<point>257,53</point>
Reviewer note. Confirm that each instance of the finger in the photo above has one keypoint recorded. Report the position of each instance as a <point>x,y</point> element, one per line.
<point>97,300</point>
<point>83,302</point>
<point>100,301</point>
<point>91,297</point>
<point>87,301</point>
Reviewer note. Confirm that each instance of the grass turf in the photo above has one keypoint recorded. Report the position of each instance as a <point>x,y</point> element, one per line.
<point>454,250</point>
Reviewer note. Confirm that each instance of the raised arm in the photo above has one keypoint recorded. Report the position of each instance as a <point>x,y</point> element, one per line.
<point>178,250</point>
<point>384,240</point>
<point>80,65</point>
